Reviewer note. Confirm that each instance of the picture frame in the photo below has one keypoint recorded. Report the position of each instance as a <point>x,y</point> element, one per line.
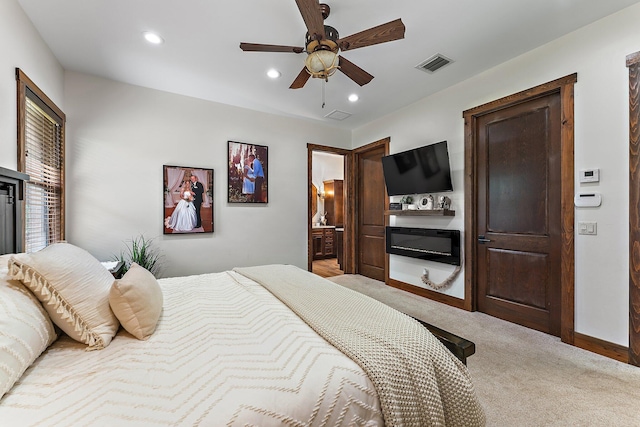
<point>247,173</point>
<point>187,199</point>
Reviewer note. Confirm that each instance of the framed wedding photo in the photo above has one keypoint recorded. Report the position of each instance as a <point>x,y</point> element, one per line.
<point>188,200</point>
<point>248,173</point>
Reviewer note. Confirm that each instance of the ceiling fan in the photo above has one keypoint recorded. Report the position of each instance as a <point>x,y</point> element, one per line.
<point>322,44</point>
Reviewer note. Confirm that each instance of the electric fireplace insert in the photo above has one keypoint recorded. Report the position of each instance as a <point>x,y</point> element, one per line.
<point>424,243</point>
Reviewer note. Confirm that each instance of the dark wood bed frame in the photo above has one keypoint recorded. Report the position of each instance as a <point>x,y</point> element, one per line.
<point>460,347</point>
<point>11,206</point>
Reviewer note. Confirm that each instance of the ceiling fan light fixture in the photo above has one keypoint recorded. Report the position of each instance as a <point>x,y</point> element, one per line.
<point>322,63</point>
<point>353,97</point>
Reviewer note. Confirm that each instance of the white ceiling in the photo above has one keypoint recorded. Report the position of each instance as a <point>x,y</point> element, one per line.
<point>201,55</point>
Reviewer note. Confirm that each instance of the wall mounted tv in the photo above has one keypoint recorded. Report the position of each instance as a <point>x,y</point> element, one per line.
<point>417,171</point>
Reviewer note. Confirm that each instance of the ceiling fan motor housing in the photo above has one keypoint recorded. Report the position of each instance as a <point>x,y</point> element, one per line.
<point>329,42</point>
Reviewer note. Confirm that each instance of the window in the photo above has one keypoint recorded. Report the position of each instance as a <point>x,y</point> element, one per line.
<point>41,127</point>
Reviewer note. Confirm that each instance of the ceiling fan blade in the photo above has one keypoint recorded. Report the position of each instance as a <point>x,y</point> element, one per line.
<point>312,15</point>
<point>256,47</point>
<point>300,81</point>
<point>354,72</point>
<point>390,31</point>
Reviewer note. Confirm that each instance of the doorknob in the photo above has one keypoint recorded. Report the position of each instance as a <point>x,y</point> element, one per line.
<point>481,239</point>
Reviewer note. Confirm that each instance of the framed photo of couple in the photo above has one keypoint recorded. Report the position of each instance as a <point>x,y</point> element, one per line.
<point>188,200</point>
<point>248,167</point>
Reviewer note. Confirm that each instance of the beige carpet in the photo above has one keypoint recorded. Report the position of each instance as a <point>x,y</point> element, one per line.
<point>524,377</point>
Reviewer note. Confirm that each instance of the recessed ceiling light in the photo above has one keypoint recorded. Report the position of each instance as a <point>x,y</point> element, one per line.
<point>153,37</point>
<point>273,73</point>
<point>353,97</point>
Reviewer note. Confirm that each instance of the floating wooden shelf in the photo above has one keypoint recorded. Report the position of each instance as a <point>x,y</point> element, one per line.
<point>422,212</point>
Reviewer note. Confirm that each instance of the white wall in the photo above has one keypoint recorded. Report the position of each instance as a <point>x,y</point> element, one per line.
<point>21,46</point>
<point>597,53</point>
<point>120,136</point>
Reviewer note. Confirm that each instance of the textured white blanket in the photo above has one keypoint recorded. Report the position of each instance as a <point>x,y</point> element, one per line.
<point>419,382</point>
<point>226,352</point>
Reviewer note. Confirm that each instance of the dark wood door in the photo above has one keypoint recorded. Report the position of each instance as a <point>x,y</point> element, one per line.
<point>519,214</point>
<point>371,221</point>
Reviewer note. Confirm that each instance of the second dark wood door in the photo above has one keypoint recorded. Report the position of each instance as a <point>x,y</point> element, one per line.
<point>371,222</point>
<point>519,214</point>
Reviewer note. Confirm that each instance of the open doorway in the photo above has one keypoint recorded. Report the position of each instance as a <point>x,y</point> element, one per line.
<point>360,247</point>
<point>328,217</point>
<point>329,210</point>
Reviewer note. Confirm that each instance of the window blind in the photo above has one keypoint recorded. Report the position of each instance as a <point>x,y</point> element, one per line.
<point>41,156</point>
<point>43,164</point>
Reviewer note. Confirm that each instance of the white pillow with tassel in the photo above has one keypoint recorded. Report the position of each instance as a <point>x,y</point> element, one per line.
<point>73,287</point>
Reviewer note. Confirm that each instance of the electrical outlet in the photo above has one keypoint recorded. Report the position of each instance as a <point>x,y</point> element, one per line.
<point>588,228</point>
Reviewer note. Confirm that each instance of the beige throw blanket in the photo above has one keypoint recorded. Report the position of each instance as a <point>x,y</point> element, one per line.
<point>419,382</point>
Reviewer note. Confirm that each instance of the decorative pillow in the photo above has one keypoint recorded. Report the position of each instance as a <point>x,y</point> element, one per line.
<point>25,329</point>
<point>136,299</point>
<point>73,287</point>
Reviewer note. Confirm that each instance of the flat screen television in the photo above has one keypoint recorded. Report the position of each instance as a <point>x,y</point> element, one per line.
<point>417,171</point>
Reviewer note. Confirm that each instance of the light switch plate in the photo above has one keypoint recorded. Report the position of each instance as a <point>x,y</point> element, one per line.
<point>588,228</point>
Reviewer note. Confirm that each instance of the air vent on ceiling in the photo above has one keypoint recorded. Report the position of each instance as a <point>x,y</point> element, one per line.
<point>434,63</point>
<point>338,115</point>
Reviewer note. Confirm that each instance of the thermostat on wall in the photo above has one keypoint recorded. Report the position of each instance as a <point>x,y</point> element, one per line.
<point>590,175</point>
<point>588,200</point>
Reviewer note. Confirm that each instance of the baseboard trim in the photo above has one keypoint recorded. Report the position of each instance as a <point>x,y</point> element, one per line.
<point>585,342</point>
<point>436,296</point>
<point>601,347</point>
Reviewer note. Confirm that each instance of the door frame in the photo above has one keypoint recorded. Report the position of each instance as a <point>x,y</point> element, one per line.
<point>633,352</point>
<point>349,205</point>
<point>563,86</point>
<point>353,220</point>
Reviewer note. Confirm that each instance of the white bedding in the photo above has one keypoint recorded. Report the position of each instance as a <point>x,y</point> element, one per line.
<point>225,353</point>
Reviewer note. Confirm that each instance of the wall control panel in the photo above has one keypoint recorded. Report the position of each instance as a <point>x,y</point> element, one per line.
<point>590,175</point>
<point>588,200</point>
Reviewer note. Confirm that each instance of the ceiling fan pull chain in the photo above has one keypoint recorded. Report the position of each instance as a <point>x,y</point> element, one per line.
<point>323,95</point>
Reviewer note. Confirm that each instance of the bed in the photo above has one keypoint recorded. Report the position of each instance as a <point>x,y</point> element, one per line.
<point>258,346</point>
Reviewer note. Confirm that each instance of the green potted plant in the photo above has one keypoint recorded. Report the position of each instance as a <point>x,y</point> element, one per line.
<point>141,251</point>
<point>406,201</point>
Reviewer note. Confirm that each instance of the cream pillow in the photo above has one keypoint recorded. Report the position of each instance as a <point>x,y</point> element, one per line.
<point>25,329</point>
<point>136,299</point>
<point>73,287</point>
